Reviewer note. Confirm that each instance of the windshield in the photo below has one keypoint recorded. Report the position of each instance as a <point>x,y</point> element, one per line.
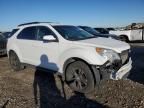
<point>73,33</point>
<point>95,32</point>
<point>91,30</point>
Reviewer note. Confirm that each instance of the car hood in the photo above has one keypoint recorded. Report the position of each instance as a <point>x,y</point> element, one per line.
<point>107,43</point>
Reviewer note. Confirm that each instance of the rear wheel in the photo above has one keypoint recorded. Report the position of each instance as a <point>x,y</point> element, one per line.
<point>124,38</point>
<point>15,62</point>
<point>80,77</point>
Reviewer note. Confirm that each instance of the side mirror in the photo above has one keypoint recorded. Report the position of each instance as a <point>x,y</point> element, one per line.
<point>49,38</point>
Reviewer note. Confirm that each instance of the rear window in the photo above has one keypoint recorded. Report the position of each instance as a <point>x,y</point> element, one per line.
<point>28,33</point>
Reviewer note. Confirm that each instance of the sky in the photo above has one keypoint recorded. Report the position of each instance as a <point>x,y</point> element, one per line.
<point>95,13</point>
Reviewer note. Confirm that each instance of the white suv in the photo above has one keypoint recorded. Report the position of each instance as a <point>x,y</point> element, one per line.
<point>82,59</point>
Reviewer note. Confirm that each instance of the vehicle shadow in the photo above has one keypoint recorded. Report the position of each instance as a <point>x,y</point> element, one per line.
<point>137,72</point>
<point>79,100</point>
<point>47,93</point>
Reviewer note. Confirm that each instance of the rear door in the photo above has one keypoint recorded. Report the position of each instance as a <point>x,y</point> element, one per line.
<point>25,41</point>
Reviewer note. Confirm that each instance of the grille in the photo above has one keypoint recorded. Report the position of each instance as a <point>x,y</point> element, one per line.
<point>124,56</point>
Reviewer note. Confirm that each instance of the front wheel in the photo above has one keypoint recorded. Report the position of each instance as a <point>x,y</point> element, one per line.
<point>15,62</point>
<point>80,77</point>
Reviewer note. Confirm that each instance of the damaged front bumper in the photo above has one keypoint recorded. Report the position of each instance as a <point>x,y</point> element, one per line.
<point>123,72</point>
<point>115,72</point>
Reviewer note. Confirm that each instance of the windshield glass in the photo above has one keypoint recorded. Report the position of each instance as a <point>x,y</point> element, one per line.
<point>73,33</point>
<point>94,32</point>
<point>90,30</point>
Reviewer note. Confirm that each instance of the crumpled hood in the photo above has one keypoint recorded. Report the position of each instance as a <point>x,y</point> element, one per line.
<point>107,43</point>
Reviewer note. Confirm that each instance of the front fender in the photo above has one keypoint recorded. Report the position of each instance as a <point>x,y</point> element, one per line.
<point>88,55</point>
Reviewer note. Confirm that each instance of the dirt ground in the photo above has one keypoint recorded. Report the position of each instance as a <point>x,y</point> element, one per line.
<point>33,88</point>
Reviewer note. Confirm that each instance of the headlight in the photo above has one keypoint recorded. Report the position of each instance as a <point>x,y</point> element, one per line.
<point>108,54</point>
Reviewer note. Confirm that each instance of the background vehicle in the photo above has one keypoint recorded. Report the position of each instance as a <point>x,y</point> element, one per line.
<point>110,28</point>
<point>102,30</point>
<point>3,42</point>
<point>98,34</point>
<point>82,58</point>
<point>130,35</point>
<point>6,34</point>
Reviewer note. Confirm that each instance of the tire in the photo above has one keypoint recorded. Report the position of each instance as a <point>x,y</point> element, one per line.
<point>79,77</point>
<point>15,62</point>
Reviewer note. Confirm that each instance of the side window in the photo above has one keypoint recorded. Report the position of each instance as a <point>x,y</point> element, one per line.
<point>28,33</point>
<point>42,31</point>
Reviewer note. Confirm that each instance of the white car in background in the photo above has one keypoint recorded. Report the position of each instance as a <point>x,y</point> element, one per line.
<point>82,58</point>
<point>129,35</point>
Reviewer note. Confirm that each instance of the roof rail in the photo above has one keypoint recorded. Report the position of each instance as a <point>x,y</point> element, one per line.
<point>28,23</point>
<point>33,23</point>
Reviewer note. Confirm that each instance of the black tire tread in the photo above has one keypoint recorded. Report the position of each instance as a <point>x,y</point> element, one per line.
<point>88,72</point>
<point>19,66</point>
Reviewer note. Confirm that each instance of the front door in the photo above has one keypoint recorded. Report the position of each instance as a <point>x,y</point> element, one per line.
<point>45,52</point>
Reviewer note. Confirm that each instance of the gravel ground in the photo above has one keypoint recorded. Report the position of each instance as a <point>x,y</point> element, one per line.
<point>32,88</point>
